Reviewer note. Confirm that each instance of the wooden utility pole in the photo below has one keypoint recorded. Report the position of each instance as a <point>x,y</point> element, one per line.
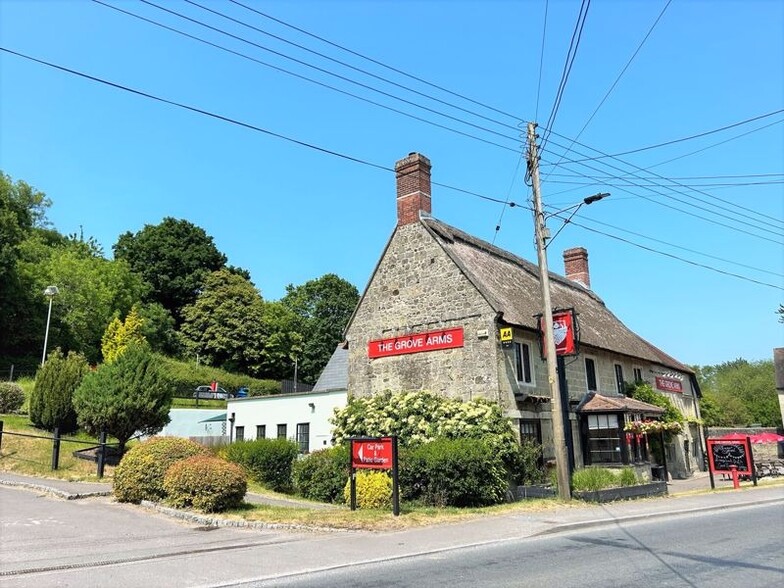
<point>556,413</point>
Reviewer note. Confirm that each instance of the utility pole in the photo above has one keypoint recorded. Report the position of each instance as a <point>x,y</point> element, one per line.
<point>559,438</point>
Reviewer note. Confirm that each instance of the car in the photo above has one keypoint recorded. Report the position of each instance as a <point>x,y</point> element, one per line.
<point>206,392</point>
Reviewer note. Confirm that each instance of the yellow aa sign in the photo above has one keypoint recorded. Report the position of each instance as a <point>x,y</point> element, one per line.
<point>506,334</point>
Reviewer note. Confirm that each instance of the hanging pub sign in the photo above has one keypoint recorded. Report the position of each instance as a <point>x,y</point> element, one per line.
<point>565,332</point>
<point>374,453</point>
<point>669,384</point>
<point>429,341</point>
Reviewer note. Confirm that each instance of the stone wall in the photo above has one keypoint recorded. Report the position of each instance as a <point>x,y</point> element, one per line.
<point>417,288</point>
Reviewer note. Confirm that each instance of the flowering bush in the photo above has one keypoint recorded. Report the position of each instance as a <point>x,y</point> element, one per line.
<point>647,427</point>
<point>374,490</point>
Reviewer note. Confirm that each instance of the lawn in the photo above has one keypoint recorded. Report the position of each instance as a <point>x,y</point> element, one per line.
<point>33,455</point>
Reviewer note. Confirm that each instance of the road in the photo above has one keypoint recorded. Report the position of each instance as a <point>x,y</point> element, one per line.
<point>743,547</point>
<point>95,543</point>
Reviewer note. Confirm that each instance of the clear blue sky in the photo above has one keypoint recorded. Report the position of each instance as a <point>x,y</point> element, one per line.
<point>113,161</point>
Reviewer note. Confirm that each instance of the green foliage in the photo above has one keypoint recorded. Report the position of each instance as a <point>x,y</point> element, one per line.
<point>185,377</point>
<point>739,393</point>
<point>453,472</point>
<point>120,334</point>
<point>159,329</point>
<point>422,416</point>
<point>627,477</point>
<point>132,394</point>
<point>51,404</point>
<point>140,474</point>
<point>525,468</point>
<point>594,478</point>
<point>323,307</point>
<point>374,490</point>
<point>174,258</point>
<point>11,397</point>
<point>267,461</point>
<point>205,482</point>
<point>644,392</point>
<point>321,475</point>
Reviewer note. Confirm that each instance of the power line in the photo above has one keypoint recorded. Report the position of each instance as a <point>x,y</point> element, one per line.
<point>712,177</point>
<point>570,55</point>
<point>541,58</point>
<point>618,78</point>
<point>332,152</point>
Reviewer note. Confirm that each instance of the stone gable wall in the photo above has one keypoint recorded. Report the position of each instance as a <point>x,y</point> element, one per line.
<point>417,288</point>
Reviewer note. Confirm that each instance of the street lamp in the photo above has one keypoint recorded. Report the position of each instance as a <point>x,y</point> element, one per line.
<point>50,292</point>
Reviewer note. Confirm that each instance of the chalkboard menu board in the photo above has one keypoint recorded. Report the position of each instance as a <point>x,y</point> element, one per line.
<point>725,454</point>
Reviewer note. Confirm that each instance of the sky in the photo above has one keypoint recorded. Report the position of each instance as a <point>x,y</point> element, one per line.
<point>688,251</point>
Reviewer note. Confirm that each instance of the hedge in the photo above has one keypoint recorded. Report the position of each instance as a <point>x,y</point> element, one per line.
<point>267,461</point>
<point>205,482</point>
<point>322,474</point>
<point>374,490</point>
<point>187,376</point>
<point>11,397</point>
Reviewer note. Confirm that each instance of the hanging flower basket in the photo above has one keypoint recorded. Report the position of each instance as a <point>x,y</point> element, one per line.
<point>649,426</point>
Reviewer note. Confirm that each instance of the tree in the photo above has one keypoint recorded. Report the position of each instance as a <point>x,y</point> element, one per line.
<point>739,393</point>
<point>132,394</point>
<point>224,325</point>
<point>174,258</point>
<point>51,403</point>
<point>159,329</point>
<point>324,307</point>
<point>120,334</point>
<point>780,312</point>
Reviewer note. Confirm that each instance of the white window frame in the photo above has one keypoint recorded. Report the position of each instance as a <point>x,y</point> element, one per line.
<point>522,346</point>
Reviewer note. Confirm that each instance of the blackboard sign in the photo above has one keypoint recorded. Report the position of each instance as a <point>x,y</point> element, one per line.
<point>723,454</point>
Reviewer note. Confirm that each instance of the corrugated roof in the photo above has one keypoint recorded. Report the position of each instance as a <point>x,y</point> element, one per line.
<point>510,284</point>
<point>335,373</point>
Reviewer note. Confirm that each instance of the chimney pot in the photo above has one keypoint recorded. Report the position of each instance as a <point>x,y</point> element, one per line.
<point>576,266</point>
<point>413,188</point>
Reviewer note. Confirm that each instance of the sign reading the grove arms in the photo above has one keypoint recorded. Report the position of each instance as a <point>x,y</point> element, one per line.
<point>669,384</point>
<point>430,341</point>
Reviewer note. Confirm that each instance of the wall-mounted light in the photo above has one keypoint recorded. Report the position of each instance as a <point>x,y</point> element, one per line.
<point>312,406</point>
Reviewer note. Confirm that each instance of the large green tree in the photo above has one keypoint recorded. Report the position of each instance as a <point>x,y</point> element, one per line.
<point>324,307</point>
<point>174,258</point>
<point>739,393</point>
<point>51,403</point>
<point>132,394</point>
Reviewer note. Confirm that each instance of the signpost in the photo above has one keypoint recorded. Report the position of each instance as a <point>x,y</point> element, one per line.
<point>375,453</point>
<point>732,457</point>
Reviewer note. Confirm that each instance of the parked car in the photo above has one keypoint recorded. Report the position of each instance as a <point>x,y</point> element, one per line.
<point>206,392</point>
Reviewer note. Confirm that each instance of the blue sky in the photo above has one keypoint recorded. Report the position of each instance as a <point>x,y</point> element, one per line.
<point>112,161</point>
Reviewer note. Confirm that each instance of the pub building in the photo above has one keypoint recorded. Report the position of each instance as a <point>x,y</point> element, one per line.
<point>440,301</point>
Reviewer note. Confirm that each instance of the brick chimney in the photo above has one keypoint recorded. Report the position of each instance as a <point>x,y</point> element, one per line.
<point>576,266</point>
<point>413,188</point>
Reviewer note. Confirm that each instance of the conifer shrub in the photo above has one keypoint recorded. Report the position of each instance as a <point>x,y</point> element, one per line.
<point>205,482</point>
<point>11,397</point>
<point>374,490</point>
<point>453,472</point>
<point>267,461</point>
<point>139,475</point>
<point>51,403</point>
<point>322,474</point>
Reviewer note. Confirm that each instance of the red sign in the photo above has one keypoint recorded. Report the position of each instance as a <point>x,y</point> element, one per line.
<point>563,332</point>
<point>374,454</point>
<point>669,385</point>
<point>724,455</point>
<point>430,341</point>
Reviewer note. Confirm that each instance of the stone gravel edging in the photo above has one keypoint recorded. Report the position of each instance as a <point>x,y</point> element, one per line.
<point>212,521</point>
<point>59,493</point>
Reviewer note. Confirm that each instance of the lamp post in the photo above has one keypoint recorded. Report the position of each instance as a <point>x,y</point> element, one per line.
<point>542,234</point>
<point>50,292</point>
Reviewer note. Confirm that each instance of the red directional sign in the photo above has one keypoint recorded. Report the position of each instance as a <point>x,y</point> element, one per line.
<point>375,454</point>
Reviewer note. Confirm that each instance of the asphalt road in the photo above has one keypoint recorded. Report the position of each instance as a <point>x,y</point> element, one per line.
<point>47,542</point>
<point>743,548</point>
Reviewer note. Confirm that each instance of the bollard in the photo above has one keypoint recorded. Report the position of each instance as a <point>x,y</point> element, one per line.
<point>1,434</point>
<point>101,453</point>
<point>735,481</point>
<point>56,448</point>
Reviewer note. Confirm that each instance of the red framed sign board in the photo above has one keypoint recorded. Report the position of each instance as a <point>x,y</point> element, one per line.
<point>565,332</point>
<point>429,341</point>
<point>669,384</point>
<point>732,457</point>
<point>374,453</point>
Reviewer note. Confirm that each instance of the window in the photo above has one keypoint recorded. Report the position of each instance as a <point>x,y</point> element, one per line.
<point>531,432</point>
<point>590,374</point>
<point>604,442</point>
<point>303,437</point>
<point>637,374</point>
<point>619,378</point>
<point>261,431</point>
<point>281,431</point>
<point>522,353</point>
<point>239,433</point>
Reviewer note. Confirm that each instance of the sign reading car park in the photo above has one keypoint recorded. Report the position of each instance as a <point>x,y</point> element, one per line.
<point>374,453</point>
<point>429,341</point>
